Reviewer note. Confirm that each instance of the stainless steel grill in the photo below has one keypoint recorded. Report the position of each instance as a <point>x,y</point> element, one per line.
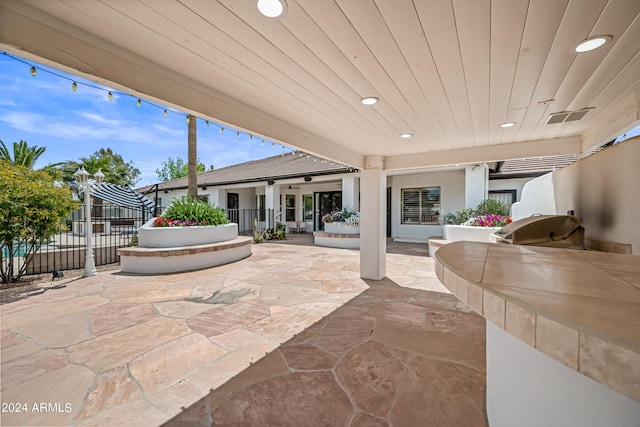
<point>559,231</point>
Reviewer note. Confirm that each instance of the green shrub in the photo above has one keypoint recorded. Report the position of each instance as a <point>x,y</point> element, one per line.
<point>486,207</point>
<point>191,211</point>
<point>492,207</point>
<point>32,209</point>
<point>457,217</point>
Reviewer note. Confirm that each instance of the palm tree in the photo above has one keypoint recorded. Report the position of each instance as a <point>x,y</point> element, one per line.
<point>192,162</point>
<point>22,154</point>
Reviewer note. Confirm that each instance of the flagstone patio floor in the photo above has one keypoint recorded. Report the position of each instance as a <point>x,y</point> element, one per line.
<point>290,336</point>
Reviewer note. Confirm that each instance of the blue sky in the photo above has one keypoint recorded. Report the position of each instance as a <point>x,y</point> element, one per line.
<point>44,111</point>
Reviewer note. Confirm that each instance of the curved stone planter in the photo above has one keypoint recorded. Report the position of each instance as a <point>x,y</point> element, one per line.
<point>175,249</point>
<point>338,235</point>
<point>341,228</point>
<point>169,237</point>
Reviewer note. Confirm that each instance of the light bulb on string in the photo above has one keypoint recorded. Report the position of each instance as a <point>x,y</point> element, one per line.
<point>273,145</point>
<point>74,86</point>
<point>301,154</point>
<point>315,160</point>
<point>262,142</point>
<point>283,148</point>
<point>206,122</point>
<point>164,113</point>
<point>250,137</point>
<point>308,156</point>
<point>110,96</point>
<point>188,119</point>
<point>139,103</point>
<point>237,134</point>
<point>221,130</point>
<point>34,71</point>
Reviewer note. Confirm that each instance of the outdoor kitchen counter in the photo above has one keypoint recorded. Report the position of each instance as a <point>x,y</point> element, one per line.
<point>581,308</point>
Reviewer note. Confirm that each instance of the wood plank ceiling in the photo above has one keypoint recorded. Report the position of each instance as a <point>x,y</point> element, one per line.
<point>448,72</point>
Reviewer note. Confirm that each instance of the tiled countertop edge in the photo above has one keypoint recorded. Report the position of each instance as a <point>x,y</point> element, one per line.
<point>607,363</point>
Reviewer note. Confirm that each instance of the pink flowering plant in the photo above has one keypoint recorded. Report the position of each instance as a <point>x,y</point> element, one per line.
<point>489,213</point>
<point>488,220</point>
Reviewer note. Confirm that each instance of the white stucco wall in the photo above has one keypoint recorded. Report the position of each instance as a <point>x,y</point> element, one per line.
<point>452,198</point>
<point>601,189</point>
<point>526,388</point>
<point>537,198</point>
<point>475,184</point>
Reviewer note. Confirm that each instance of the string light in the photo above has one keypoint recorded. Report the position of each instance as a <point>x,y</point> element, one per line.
<point>74,87</point>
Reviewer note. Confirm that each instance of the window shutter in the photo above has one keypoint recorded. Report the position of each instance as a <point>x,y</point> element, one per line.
<point>411,206</point>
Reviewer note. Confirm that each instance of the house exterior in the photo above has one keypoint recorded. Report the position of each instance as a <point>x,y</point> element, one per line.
<point>298,189</point>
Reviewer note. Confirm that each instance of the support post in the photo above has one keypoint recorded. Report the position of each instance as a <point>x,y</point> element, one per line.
<point>373,243</point>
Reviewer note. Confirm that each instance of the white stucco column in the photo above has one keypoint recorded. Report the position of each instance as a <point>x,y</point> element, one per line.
<point>373,242</point>
<point>351,192</point>
<point>476,184</point>
<point>219,198</point>
<point>272,201</point>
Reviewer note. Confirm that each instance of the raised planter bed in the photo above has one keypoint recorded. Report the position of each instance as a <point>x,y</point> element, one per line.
<point>341,240</point>
<point>455,233</point>
<point>338,235</point>
<point>341,228</point>
<point>167,237</point>
<point>175,249</point>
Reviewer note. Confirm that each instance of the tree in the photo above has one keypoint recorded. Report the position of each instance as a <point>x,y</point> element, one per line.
<point>32,208</point>
<point>174,169</point>
<point>112,165</point>
<point>192,182</point>
<point>22,154</point>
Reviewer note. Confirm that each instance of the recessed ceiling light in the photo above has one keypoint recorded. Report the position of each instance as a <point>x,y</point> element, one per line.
<point>369,100</point>
<point>507,124</point>
<point>591,43</point>
<point>406,135</point>
<point>272,8</point>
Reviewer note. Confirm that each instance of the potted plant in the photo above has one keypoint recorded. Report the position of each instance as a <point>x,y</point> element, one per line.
<point>343,221</point>
<point>477,224</point>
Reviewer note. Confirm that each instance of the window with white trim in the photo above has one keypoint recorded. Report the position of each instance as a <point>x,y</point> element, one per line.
<point>420,205</point>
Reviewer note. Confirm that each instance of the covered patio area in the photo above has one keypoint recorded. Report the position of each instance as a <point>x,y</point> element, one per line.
<point>289,336</point>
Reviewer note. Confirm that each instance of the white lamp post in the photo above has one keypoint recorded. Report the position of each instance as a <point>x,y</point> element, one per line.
<point>82,178</point>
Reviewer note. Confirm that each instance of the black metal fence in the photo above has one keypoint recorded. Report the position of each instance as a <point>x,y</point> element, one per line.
<point>114,227</point>
<point>248,219</point>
